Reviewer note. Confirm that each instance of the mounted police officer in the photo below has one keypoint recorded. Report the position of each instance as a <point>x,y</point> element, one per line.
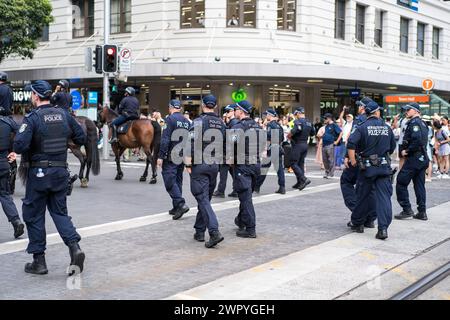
<point>128,110</point>
<point>7,130</point>
<point>6,95</point>
<point>230,121</point>
<point>414,149</point>
<point>275,136</point>
<point>62,97</point>
<point>203,167</point>
<point>300,133</point>
<point>42,140</point>
<point>350,174</point>
<point>374,141</point>
<point>172,169</point>
<point>247,167</point>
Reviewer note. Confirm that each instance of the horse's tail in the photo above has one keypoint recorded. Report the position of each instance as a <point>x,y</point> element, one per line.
<point>156,138</point>
<point>93,155</point>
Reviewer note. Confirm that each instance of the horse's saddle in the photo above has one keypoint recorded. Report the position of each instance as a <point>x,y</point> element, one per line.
<point>123,128</point>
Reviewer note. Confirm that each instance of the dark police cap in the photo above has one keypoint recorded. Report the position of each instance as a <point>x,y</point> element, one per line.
<point>328,116</point>
<point>245,106</point>
<point>230,107</point>
<point>174,103</point>
<point>3,76</point>
<point>363,102</point>
<point>299,110</point>
<point>42,88</point>
<point>270,112</point>
<point>371,107</point>
<point>412,105</point>
<point>210,101</point>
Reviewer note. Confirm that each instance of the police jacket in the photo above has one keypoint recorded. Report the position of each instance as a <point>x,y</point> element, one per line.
<point>129,107</point>
<point>62,100</point>
<point>302,130</point>
<point>273,127</point>
<point>231,123</point>
<point>245,139</point>
<point>206,130</point>
<point>6,98</point>
<point>8,127</point>
<point>416,137</point>
<point>175,122</point>
<point>45,133</point>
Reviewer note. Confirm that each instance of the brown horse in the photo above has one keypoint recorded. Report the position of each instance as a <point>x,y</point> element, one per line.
<point>142,133</point>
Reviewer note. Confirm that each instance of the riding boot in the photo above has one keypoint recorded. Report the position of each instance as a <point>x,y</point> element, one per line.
<point>113,134</point>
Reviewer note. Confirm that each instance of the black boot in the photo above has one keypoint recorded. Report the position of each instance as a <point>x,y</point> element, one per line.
<point>244,233</point>
<point>355,228</point>
<point>257,189</point>
<point>382,234</point>
<point>369,224</point>
<point>281,190</point>
<point>113,134</point>
<point>214,239</point>
<point>218,194</point>
<point>199,236</point>
<point>76,257</point>
<point>239,223</point>
<point>295,186</point>
<point>304,184</point>
<point>406,213</point>
<point>180,211</point>
<point>421,216</point>
<point>18,228</point>
<point>38,266</point>
<point>172,211</point>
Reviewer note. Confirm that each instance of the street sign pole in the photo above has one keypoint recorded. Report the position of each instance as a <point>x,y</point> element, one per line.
<point>106,102</point>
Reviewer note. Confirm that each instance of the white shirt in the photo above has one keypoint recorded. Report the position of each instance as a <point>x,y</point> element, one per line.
<point>403,125</point>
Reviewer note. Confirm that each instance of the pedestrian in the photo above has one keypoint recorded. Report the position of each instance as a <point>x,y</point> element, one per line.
<point>43,141</point>
<point>203,169</point>
<point>6,95</point>
<point>374,141</point>
<point>128,110</point>
<point>442,147</point>
<point>400,122</point>
<point>413,149</point>
<point>62,97</point>
<point>172,169</point>
<point>330,140</point>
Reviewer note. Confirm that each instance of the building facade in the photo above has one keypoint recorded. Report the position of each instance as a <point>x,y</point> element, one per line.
<point>277,53</point>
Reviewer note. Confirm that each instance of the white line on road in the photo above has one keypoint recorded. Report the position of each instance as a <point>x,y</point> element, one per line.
<point>96,230</point>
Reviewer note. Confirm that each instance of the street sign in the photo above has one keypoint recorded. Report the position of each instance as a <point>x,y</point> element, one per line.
<point>93,98</point>
<point>76,99</point>
<point>125,60</point>
<point>427,84</point>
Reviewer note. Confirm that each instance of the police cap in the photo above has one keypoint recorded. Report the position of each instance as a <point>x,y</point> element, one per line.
<point>299,110</point>
<point>3,76</point>
<point>412,105</point>
<point>245,106</point>
<point>363,102</point>
<point>209,101</point>
<point>41,88</point>
<point>271,112</point>
<point>174,103</point>
<point>371,107</point>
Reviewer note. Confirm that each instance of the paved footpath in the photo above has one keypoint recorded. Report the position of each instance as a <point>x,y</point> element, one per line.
<point>303,250</point>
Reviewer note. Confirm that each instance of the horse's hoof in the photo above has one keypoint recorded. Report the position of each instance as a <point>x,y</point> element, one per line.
<point>143,179</point>
<point>84,183</point>
<point>153,181</point>
<point>119,177</point>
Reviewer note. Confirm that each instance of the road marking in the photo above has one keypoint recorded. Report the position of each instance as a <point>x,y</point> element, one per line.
<point>121,225</point>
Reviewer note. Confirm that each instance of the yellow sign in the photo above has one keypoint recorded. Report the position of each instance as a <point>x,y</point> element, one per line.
<point>428,84</point>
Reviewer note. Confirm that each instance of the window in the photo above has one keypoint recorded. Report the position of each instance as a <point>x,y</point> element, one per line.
<point>45,34</point>
<point>192,14</point>
<point>360,20</point>
<point>379,15</point>
<point>420,38</point>
<point>82,18</point>
<point>339,23</point>
<point>286,14</point>
<point>120,16</point>
<point>404,32</point>
<point>241,13</point>
<point>435,49</point>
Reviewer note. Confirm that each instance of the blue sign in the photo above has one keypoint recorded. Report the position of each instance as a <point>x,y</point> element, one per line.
<point>354,93</point>
<point>93,97</point>
<point>76,100</point>
<point>411,4</point>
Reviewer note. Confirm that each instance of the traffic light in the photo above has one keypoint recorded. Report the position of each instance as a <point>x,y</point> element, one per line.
<point>98,59</point>
<point>110,60</point>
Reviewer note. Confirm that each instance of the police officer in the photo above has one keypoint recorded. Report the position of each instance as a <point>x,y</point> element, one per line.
<point>204,171</point>
<point>247,167</point>
<point>414,149</point>
<point>6,95</point>
<point>62,97</point>
<point>8,128</point>
<point>128,110</point>
<point>42,140</point>
<point>172,170</point>
<point>230,121</point>
<point>375,142</point>
<point>300,133</point>
<point>349,176</point>
<point>274,144</point>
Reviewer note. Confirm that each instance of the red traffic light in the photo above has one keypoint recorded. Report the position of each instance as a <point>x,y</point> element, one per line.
<point>110,51</point>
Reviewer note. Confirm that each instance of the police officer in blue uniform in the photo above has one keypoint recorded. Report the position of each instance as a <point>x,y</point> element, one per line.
<point>6,95</point>
<point>414,148</point>
<point>300,133</point>
<point>204,167</point>
<point>375,142</point>
<point>246,168</point>
<point>128,110</point>
<point>7,129</point>
<point>62,97</point>
<point>350,175</point>
<point>275,136</point>
<point>172,169</point>
<point>43,140</point>
<point>224,168</point>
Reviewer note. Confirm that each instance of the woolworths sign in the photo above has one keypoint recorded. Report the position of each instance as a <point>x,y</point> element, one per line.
<point>20,96</point>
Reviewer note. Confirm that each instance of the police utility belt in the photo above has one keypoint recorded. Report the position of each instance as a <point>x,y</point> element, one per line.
<point>373,161</point>
<point>46,164</point>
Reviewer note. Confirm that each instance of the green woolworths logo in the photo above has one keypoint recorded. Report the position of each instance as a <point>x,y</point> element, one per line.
<point>239,95</point>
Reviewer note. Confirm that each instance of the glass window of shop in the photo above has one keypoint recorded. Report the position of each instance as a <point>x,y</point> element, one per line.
<point>379,15</point>
<point>82,18</point>
<point>241,13</point>
<point>190,97</point>
<point>339,23</point>
<point>192,14</point>
<point>420,38</point>
<point>404,34</point>
<point>360,22</point>
<point>286,14</point>
<point>435,48</point>
<point>120,16</point>
<point>44,34</point>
